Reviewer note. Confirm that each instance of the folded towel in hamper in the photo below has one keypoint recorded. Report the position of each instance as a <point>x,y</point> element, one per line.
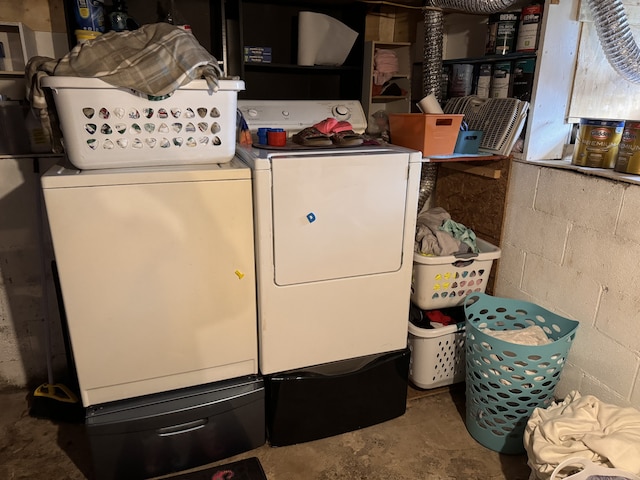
<point>154,60</point>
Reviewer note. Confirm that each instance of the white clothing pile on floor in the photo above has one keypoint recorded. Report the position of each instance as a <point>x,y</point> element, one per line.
<point>586,427</point>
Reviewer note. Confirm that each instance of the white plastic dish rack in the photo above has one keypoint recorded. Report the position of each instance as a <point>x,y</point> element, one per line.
<point>104,126</point>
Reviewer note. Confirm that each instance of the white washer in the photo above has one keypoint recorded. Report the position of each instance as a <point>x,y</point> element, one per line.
<point>157,273</point>
<point>335,231</point>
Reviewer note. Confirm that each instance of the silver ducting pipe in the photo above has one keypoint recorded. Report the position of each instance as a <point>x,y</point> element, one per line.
<point>474,6</point>
<point>431,79</point>
<point>428,178</point>
<point>616,38</point>
<point>432,52</point>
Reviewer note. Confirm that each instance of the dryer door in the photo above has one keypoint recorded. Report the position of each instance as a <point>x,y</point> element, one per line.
<point>338,216</point>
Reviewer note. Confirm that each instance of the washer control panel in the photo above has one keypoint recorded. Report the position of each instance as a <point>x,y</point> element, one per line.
<point>295,115</point>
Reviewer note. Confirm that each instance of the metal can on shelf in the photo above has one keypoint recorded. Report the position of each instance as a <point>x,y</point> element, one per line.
<point>506,33</point>
<point>597,143</point>
<point>628,160</point>
<point>501,80</point>
<point>529,28</point>
<point>461,80</point>
<point>483,85</point>
<point>492,32</point>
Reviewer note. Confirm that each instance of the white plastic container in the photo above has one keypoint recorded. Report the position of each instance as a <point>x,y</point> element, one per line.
<point>437,355</point>
<point>441,282</point>
<point>592,471</point>
<point>104,126</point>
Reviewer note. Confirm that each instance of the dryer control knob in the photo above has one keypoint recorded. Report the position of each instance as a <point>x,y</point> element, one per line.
<point>252,112</point>
<point>341,112</point>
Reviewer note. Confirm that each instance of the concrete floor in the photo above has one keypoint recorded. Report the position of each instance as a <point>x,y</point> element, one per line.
<point>429,442</point>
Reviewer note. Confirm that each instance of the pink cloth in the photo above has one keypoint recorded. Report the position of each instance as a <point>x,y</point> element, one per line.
<point>385,65</point>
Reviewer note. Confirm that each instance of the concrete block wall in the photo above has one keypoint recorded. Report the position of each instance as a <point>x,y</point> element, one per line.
<point>571,244</point>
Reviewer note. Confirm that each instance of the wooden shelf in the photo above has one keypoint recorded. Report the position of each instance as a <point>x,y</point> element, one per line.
<point>388,98</point>
<point>6,73</point>
<point>492,58</point>
<point>471,164</point>
<point>301,68</point>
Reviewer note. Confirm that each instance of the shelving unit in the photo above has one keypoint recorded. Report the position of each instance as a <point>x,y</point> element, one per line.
<point>547,130</point>
<point>19,45</point>
<point>274,24</point>
<point>389,103</point>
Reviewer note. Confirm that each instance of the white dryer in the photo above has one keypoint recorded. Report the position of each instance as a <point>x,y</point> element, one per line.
<point>335,231</point>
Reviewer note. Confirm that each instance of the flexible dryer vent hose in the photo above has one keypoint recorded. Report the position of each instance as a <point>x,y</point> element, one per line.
<point>616,38</point>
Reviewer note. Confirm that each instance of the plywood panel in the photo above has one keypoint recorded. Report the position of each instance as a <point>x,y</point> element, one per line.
<point>599,91</point>
<point>39,15</point>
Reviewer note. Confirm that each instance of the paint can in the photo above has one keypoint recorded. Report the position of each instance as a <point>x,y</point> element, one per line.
<point>461,80</point>
<point>501,80</point>
<point>522,79</point>
<point>628,160</point>
<point>483,86</point>
<point>529,28</point>
<point>492,32</point>
<point>597,143</point>
<point>506,32</point>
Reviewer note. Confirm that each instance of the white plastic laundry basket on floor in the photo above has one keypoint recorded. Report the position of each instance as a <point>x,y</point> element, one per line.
<point>104,126</point>
<point>437,355</point>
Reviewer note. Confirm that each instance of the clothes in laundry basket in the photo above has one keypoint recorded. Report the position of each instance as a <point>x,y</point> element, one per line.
<point>438,234</point>
<point>582,426</point>
<point>533,335</point>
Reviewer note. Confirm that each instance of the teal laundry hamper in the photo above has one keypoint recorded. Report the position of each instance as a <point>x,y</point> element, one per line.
<point>505,381</point>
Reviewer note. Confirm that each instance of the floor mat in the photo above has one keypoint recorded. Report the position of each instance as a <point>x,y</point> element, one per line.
<point>247,469</point>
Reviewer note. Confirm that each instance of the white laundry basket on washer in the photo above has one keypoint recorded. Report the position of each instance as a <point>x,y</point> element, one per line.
<point>104,126</point>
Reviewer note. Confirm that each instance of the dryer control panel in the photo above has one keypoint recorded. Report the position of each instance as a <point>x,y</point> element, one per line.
<point>295,115</point>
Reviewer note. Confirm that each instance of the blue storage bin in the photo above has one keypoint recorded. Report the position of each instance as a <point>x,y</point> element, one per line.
<point>505,381</point>
<point>468,141</point>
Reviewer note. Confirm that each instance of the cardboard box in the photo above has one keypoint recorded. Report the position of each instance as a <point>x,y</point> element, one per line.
<point>432,134</point>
